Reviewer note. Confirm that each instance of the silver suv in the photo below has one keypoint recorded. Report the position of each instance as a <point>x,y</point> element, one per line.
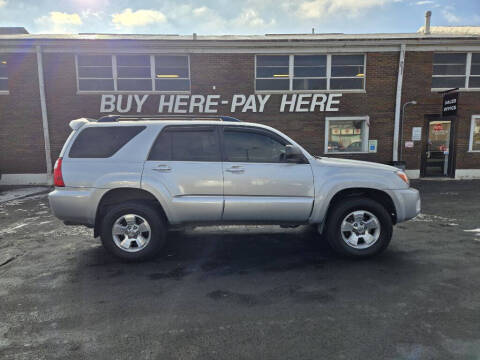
<point>131,179</point>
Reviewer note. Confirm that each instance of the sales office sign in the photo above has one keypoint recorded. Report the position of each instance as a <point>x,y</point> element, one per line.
<point>183,104</point>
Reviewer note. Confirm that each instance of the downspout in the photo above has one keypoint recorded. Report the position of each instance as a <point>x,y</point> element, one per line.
<point>43,106</point>
<point>398,102</point>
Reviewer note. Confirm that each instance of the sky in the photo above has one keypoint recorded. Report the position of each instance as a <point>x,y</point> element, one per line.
<point>217,17</point>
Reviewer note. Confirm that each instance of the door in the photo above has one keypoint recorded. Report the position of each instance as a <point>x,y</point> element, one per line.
<point>259,184</point>
<point>186,161</point>
<point>438,154</point>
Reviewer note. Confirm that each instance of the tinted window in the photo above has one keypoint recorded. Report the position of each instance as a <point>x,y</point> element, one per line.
<point>186,144</point>
<point>249,146</point>
<point>102,142</point>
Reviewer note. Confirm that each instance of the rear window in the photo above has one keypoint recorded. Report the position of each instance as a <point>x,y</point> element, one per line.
<point>186,144</point>
<point>102,142</point>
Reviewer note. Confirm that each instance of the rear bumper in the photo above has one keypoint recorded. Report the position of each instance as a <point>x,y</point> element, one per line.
<point>75,205</point>
<point>407,203</point>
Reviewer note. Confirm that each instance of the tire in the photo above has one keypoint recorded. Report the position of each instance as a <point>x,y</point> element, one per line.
<point>140,245</point>
<point>346,215</point>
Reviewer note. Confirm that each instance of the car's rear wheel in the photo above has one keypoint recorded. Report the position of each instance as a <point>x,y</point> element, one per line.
<point>359,227</point>
<point>133,231</point>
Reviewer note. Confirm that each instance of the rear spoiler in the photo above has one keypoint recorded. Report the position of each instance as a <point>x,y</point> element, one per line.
<point>78,123</point>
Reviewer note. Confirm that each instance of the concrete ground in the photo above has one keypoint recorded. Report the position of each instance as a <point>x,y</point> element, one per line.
<point>244,293</point>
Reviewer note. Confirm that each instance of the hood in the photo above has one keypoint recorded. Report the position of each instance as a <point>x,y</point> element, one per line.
<point>347,163</point>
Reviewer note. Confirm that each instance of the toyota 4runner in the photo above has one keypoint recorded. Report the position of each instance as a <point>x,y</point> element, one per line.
<point>131,179</point>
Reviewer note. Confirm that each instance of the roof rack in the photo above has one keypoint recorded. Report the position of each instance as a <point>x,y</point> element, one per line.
<point>113,118</point>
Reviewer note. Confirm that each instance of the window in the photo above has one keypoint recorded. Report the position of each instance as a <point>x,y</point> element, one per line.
<point>301,73</point>
<point>95,73</point>
<point>172,73</point>
<point>475,134</point>
<point>3,73</point>
<point>186,144</point>
<point>456,70</point>
<point>252,146</point>
<point>347,72</point>
<point>143,73</point>
<point>102,142</point>
<point>346,135</point>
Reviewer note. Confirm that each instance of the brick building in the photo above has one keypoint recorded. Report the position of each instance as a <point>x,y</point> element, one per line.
<point>337,95</point>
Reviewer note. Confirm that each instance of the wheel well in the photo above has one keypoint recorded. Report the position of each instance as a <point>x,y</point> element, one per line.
<point>121,195</point>
<point>376,195</point>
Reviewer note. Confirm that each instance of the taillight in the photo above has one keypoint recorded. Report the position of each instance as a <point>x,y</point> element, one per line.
<point>57,173</point>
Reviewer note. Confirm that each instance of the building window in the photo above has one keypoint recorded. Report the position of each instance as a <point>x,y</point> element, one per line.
<point>456,70</point>
<point>3,73</point>
<point>346,134</point>
<point>128,73</point>
<point>307,73</point>
<point>475,134</point>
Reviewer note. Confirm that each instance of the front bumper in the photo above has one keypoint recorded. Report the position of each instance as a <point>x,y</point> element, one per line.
<point>75,205</point>
<point>407,203</point>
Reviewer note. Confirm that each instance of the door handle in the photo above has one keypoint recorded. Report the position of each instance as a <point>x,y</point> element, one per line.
<point>162,168</point>
<point>236,169</point>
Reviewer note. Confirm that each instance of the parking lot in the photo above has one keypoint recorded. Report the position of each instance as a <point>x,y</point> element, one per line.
<point>244,292</point>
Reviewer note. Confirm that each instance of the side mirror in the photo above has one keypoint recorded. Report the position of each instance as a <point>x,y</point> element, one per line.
<point>293,154</point>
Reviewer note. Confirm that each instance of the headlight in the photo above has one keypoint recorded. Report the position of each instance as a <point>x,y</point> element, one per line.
<point>403,176</point>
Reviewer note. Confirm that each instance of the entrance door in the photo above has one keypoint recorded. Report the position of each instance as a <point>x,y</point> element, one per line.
<point>437,159</point>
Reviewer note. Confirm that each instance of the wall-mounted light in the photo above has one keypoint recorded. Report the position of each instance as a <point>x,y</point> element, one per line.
<point>280,75</point>
<point>167,76</point>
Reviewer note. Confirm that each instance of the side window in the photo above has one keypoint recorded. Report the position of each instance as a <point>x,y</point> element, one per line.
<point>251,146</point>
<point>102,142</point>
<point>186,144</point>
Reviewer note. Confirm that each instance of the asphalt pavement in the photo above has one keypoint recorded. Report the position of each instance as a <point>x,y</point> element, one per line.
<point>259,292</point>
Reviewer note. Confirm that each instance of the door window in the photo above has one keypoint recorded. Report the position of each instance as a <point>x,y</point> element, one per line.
<point>186,144</point>
<point>253,146</point>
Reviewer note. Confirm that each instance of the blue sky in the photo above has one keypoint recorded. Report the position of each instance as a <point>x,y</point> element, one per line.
<point>234,17</point>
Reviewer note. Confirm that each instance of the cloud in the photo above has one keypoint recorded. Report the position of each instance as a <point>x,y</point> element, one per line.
<point>327,8</point>
<point>128,18</point>
<point>251,19</point>
<point>3,3</point>
<point>425,2</point>
<point>59,22</point>
<point>450,16</point>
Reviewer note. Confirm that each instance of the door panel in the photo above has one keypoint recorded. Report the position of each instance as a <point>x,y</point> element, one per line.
<point>438,148</point>
<point>186,161</point>
<point>259,185</point>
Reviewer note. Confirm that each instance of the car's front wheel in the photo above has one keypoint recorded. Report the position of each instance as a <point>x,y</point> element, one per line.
<point>359,227</point>
<point>133,231</point>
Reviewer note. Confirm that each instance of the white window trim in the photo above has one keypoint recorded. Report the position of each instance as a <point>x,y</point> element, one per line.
<point>468,69</point>
<point>115,77</point>
<point>472,127</point>
<point>327,76</point>
<point>4,92</point>
<point>365,137</point>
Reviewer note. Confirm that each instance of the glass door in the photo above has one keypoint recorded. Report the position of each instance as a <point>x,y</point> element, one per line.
<point>438,150</point>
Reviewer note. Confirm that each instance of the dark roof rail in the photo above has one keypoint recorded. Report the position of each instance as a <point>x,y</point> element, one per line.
<point>113,118</point>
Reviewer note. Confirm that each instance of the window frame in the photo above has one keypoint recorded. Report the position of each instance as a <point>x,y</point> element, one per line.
<point>5,92</point>
<point>328,76</point>
<point>255,130</point>
<point>472,127</point>
<point>215,129</point>
<point>468,69</point>
<point>115,75</point>
<point>365,137</point>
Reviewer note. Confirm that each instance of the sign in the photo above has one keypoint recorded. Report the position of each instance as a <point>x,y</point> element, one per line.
<point>409,144</point>
<point>372,146</point>
<point>209,104</point>
<point>438,127</point>
<point>417,133</point>
<point>450,104</point>
<point>347,131</point>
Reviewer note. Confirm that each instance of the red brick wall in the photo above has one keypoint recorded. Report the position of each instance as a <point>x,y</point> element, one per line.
<point>21,134</point>
<point>417,86</point>
<point>21,131</point>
